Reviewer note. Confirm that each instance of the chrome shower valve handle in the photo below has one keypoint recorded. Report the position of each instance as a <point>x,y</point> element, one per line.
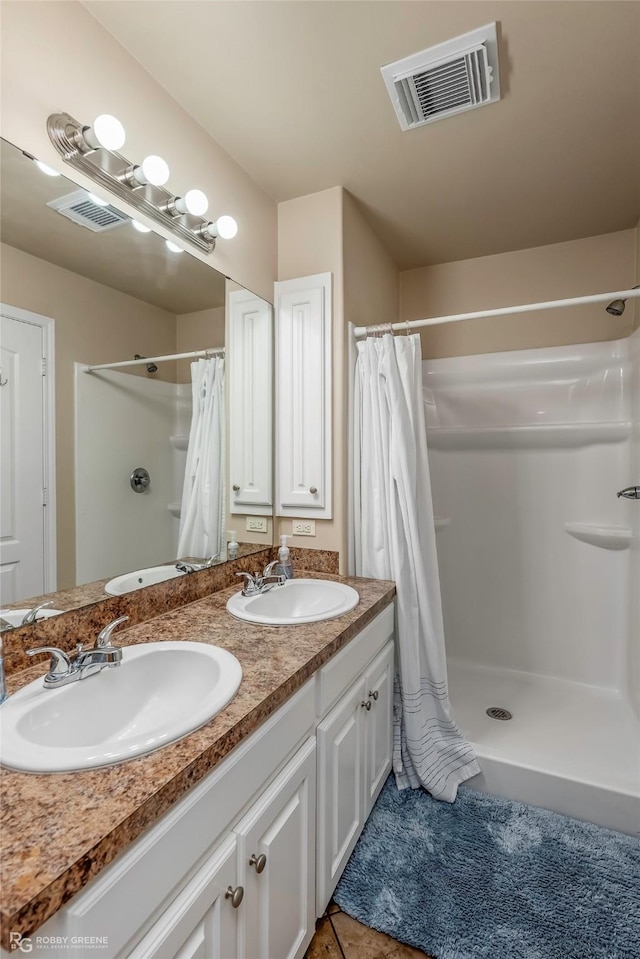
<point>631,492</point>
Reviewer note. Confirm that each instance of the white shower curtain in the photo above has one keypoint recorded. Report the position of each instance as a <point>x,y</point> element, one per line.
<point>395,539</point>
<point>201,515</point>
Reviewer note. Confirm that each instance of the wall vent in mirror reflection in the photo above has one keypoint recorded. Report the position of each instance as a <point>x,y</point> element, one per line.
<point>107,297</point>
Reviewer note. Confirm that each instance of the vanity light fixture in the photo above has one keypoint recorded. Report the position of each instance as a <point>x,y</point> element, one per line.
<point>92,150</point>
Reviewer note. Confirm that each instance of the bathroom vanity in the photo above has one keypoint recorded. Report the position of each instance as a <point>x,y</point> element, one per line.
<point>229,842</point>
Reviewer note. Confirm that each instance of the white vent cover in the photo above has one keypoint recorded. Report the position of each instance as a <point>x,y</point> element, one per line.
<point>458,75</point>
<point>80,208</point>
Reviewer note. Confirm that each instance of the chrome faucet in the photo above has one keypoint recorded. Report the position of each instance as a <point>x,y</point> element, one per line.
<point>255,583</point>
<point>65,669</point>
<point>196,567</point>
<point>32,615</point>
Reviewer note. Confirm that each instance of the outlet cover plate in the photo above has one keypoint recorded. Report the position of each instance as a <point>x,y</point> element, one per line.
<point>303,527</point>
<point>256,524</point>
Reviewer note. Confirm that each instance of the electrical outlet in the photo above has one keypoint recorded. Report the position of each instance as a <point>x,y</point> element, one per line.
<point>303,527</point>
<point>256,524</point>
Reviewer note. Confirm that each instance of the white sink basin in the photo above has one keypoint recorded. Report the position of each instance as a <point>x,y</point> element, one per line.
<point>159,693</point>
<point>15,616</point>
<point>298,601</point>
<point>139,578</point>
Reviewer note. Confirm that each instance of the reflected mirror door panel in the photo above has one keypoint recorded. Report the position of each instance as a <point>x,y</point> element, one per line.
<point>22,506</point>
<point>250,404</point>
<point>112,294</point>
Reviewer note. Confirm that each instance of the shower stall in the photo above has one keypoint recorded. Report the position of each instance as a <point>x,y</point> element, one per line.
<point>540,569</point>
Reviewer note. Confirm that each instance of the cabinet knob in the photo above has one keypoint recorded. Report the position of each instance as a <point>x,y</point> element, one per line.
<point>374,693</point>
<point>259,862</point>
<point>235,895</point>
<point>313,489</point>
<point>236,489</point>
<point>366,703</point>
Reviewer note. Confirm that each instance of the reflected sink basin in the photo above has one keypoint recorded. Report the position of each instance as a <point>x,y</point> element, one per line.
<point>139,578</point>
<point>15,616</point>
<point>298,601</point>
<point>159,693</point>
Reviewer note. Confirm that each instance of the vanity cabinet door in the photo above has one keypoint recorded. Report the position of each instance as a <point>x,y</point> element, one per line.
<point>276,846</point>
<point>201,923</point>
<point>355,744</point>
<point>341,769</point>
<point>379,692</point>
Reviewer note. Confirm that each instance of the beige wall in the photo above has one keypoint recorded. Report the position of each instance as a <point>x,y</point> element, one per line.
<point>310,241</point>
<point>371,277</point>
<point>93,324</point>
<point>592,265</point>
<point>198,331</point>
<point>57,57</point>
<point>325,232</point>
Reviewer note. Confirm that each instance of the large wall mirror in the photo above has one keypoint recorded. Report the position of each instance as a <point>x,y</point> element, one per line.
<point>81,281</point>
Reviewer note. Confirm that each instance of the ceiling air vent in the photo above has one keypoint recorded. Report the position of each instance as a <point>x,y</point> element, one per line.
<point>460,74</point>
<point>80,208</point>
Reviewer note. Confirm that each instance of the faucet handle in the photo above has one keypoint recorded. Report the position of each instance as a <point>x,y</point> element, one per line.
<point>104,636</point>
<point>31,616</point>
<point>249,577</point>
<point>60,663</point>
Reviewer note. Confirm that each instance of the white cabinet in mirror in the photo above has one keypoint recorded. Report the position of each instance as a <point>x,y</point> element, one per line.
<point>105,293</point>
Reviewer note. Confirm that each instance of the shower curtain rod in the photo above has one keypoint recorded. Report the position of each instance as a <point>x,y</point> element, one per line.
<point>219,351</point>
<point>407,325</point>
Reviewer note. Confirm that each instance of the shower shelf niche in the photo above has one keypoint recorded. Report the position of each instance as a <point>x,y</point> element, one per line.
<point>538,436</point>
<point>607,537</point>
<point>180,441</point>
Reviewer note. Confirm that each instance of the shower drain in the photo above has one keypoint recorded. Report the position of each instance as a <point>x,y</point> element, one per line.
<point>498,712</point>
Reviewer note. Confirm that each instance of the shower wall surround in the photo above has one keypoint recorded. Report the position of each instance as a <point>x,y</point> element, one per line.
<point>539,569</point>
<point>122,422</point>
<point>527,451</point>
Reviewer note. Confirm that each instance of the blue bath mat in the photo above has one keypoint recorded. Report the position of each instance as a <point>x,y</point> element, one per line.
<point>488,878</point>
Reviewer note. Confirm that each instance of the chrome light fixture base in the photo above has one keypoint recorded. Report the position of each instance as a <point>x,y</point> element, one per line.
<point>111,169</point>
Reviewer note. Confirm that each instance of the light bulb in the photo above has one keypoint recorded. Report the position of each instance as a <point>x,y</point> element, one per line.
<point>196,202</point>
<point>226,227</point>
<point>174,247</point>
<point>46,169</point>
<point>155,170</point>
<point>108,131</point>
<point>96,199</point>
<point>140,227</point>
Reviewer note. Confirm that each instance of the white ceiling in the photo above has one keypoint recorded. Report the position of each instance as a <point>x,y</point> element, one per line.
<point>292,91</point>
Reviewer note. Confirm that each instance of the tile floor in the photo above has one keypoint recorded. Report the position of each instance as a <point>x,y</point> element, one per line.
<point>338,936</point>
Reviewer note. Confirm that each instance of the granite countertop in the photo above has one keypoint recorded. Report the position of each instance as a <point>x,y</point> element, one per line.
<point>59,830</point>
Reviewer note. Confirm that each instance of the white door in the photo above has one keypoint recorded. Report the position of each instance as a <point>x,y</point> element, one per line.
<point>22,470</point>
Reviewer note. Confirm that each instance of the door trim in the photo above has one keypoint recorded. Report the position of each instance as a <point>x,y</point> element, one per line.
<point>47,325</point>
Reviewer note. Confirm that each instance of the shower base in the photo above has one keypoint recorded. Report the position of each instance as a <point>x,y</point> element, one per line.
<point>568,747</point>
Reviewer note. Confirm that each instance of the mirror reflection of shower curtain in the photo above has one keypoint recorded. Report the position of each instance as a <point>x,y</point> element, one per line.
<point>201,516</point>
